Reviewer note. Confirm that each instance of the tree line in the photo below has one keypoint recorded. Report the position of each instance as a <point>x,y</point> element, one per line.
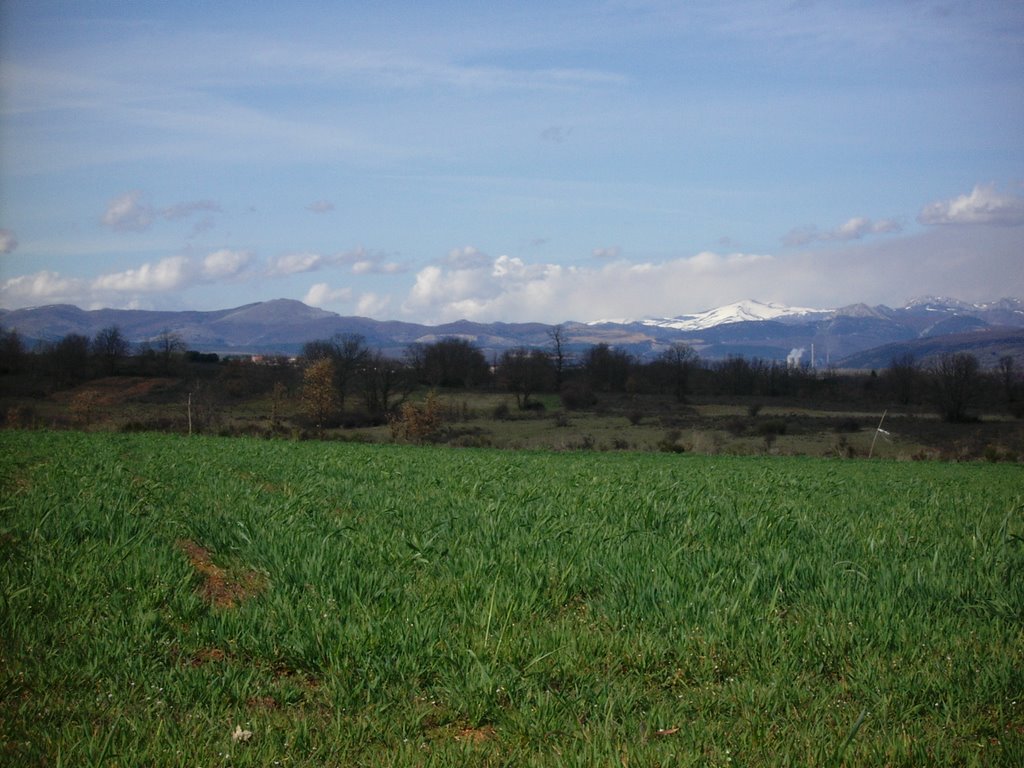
<point>342,377</point>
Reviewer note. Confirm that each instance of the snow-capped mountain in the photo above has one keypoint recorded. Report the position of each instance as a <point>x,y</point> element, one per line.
<point>748,310</point>
<point>750,329</point>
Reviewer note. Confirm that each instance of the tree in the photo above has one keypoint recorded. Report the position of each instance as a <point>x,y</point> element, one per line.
<point>903,377</point>
<point>348,352</point>
<point>607,369</point>
<point>319,397</point>
<point>680,359</point>
<point>12,351</point>
<point>524,372</point>
<point>277,398</point>
<point>68,359</point>
<point>451,362</point>
<point>385,381</point>
<point>109,347</point>
<point>956,383</point>
<point>1007,378</point>
<point>163,349</point>
<point>558,354</point>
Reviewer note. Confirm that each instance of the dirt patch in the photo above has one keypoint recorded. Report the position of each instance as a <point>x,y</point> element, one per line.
<point>207,656</point>
<point>264,703</point>
<point>476,735</point>
<point>221,588</point>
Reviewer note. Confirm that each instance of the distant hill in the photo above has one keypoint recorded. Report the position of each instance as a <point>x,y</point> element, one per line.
<point>857,336</point>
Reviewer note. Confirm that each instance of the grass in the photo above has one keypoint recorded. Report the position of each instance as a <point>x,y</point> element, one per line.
<point>393,605</point>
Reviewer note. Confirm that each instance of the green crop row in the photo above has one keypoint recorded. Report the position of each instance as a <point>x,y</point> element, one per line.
<point>170,601</point>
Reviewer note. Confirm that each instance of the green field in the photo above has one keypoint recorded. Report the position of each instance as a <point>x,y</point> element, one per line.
<point>172,601</point>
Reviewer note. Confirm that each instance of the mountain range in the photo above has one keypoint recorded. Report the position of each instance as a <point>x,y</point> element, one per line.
<point>856,336</point>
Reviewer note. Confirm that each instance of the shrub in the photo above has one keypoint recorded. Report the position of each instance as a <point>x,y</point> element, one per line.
<point>418,424</point>
<point>576,395</point>
<point>773,427</point>
<point>501,412</point>
<point>670,442</point>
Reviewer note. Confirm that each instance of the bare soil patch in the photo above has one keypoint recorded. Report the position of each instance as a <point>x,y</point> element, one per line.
<point>221,588</point>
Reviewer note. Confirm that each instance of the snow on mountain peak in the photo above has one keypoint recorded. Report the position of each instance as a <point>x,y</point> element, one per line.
<point>737,312</point>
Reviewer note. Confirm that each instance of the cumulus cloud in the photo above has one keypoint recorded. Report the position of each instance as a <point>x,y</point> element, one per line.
<point>320,206</point>
<point>984,205</point>
<point>852,229</point>
<point>509,287</point>
<point>131,213</point>
<point>372,305</point>
<point>123,288</point>
<point>165,275</point>
<point>8,242</point>
<point>321,294</point>
<point>225,263</point>
<point>43,287</point>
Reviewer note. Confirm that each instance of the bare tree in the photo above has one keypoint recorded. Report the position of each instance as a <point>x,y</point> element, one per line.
<point>164,349</point>
<point>956,383</point>
<point>524,372</point>
<point>680,359</point>
<point>902,377</point>
<point>1007,377</point>
<point>557,336</point>
<point>109,347</point>
<point>386,383</point>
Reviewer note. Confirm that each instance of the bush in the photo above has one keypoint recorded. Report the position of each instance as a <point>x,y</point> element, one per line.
<point>575,396</point>
<point>561,419</point>
<point>772,427</point>
<point>501,412</point>
<point>418,424</point>
<point>670,442</point>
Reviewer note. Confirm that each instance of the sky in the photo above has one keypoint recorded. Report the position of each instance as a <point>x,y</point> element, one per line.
<point>531,161</point>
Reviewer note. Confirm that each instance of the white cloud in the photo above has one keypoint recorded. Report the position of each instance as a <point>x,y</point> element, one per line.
<point>131,213</point>
<point>510,288</point>
<point>128,212</point>
<point>293,263</point>
<point>43,287</point>
<point>852,229</point>
<point>321,206</point>
<point>321,294</point>
<point>8,242</point>
<point>165,275</point>
<point>358,260</point>
<point>373,305</point>
<point>375,267</point>
<point>225,263</point>
<point>984,205</point>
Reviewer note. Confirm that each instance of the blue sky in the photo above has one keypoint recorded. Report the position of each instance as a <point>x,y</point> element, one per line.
<point>544,161</point>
